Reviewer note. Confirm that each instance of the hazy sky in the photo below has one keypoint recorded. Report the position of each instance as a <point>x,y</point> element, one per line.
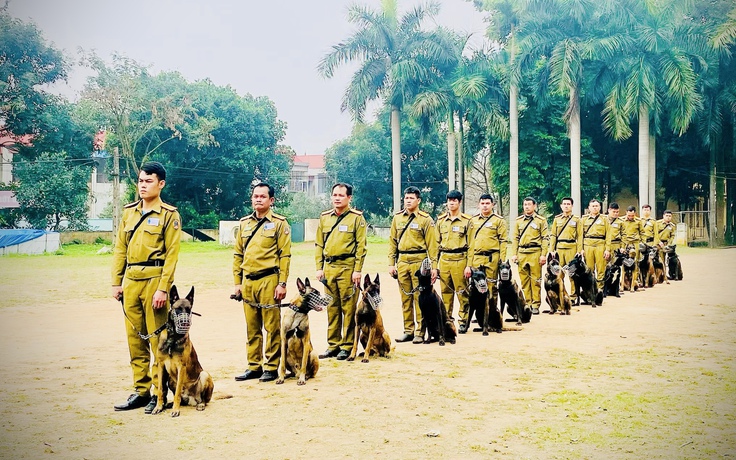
<point>265,48</point>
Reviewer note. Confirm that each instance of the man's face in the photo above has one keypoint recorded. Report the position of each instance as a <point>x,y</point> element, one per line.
<point>667,217</point>
<point>566,206</point>
<point>260,200</point>
<point>340,198</point>
<point>149,187</point>
<point>453,204</point>
<point>411,202</point>
<point>646,212</point>
<point>630,215</point>
<point>595,208</point>
<point>529,207</point>
<point>486,207</point>
<point>613,212</point>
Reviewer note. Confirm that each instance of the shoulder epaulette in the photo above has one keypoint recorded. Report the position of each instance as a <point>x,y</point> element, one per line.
<point>423,213</point>
<point>168,207</point>
<point>442,216</point>
<point>476,215</point>
<point>559,215</point>
<point>355,211</point>
<point>467,216</point>
<point>324,213</point>
<point>520,217</point>
<point>132,205</point>
<point>399,212</point>
<point>498,215</point>
<point>278,216</point>
<point>245,217</point>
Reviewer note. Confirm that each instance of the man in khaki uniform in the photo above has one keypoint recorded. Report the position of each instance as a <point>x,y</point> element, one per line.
<point>665,230</point>
<point>596,241</point>
<point>412,239</point>
<point>340,252</point>
<point>260,270</point>
<point>614,224</point>
<point>452,241</point>
<point>632,231</point>
<point>649,225</point>
<point>144,259</point>
<point>566,236</point>
<point>529,248</point>
<point>488,243</point>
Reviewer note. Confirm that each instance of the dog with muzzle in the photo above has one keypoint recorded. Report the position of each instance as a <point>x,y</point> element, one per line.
<point>369,330</point>
<point>554,286</point>
<point>436,324</point>
<point>586,287</point>
<point>674,266</point>
<point>479,304</point>
<point>511,296</point>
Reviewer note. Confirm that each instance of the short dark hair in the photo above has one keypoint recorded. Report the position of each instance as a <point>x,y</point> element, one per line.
<point>568,198</point>
<point>487,196</point>
<point>413,190</point>
<point>646,206</point>
<point>613,205</point>
<point>348,188</point>
<point>631,208</point>
<point>154,167</point>
<point>667,211</point>
<point>530,199</point>
<point>455,195</point>
<point>271,191</point>
<point>595,200</point>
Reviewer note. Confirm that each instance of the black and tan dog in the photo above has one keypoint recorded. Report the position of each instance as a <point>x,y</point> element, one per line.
<point>436,324</point>
<point>485,311</point>
<point>369,330</point>
<point>659,270</point>
<point>612,278</point>
<point>511,296</point>
<point>674,266</point>
<point>629,283</point>
<point>554,285</point>
<point>297,354</point>
<point>179,367</point>
<point>586,287</point>
<point>646,265</point>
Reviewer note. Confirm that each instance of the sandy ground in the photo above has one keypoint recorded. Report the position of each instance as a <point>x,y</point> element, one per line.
<point>649,375</point>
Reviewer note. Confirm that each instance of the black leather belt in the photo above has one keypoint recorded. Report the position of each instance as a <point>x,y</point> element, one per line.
<point>148,263</point>
<point>566,241</point>
<point>649,240</point>
<point>529,246</point>
<point>488,253</point>
<point>413,251</point>
<point>330,259</point>
<point>597,237</point>
<point>262,274</point>
<point>454,251</point>
<point>615,241</point>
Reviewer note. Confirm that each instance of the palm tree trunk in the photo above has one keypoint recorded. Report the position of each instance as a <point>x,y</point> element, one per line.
<point>461,161</point>
<point>653,174</point>
<point>712,198</point>
<point>643,155</point>
<point>574,132</point>
<point>396,156</point>
<point>451,151</point>
<point>513,153</point>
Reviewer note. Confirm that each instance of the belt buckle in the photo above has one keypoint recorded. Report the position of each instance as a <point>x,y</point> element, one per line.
<point>329,259</point>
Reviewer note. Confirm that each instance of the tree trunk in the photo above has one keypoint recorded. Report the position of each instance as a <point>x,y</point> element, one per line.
<point>396,156</point>
<point>451,151</point>
<point>513,154</point>
<point>653,175</point>
<point>712,198</point>
<point>643,155</point>
<point>574,133</point>
<point>461,162</point>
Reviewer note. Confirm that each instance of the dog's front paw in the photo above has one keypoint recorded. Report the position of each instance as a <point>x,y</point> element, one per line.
<point>279,381</point>
<point>301,381</point>
<point>485,333</point>
<point>364,360</point>
<point>442,343</point>
<point>175,412</point>
<point>201,406</point>
<point>350,358</point>
<point>158,409</point>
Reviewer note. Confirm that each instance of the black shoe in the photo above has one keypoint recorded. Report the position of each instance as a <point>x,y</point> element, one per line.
<point>535,311</point>
<point>329,353</point>
<point>134,402</point>
<point>343,355</point>
<point>405,338</point>
<point>151,404</point>
<point>268,376</point>
<point>248,375</point>
<point>463,329</point>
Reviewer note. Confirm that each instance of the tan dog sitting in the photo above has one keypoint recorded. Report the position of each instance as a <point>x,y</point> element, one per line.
<point>297,353</point>
<point>179,367</point>
<point>369,329</point>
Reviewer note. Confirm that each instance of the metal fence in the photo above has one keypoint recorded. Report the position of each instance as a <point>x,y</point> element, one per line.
<point>697,224</point>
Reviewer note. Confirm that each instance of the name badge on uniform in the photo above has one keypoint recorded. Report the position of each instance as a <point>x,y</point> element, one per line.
<point>342,228</point>
<point>533,225</point>
<point>455,228</point>
<point>152,221</point>
<point>614,225</point>
<point>269,226</point>
<point>573,223</point>
<point>647,224</point>
<point>488,224</point>
<point>414,225</point>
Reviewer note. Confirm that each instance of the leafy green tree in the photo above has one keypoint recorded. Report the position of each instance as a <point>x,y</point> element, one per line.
<point>396,56</point>
<point>52,191</point>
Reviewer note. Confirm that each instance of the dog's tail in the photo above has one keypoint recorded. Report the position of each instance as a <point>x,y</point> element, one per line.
<point>221,395</point>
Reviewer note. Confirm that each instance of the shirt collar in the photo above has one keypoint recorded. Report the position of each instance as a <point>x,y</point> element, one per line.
<point>155,207</point>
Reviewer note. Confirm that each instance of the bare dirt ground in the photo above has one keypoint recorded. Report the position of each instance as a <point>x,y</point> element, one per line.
<point>649,375</point>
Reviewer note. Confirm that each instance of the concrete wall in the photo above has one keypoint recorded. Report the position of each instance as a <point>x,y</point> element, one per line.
<point>49,242</point>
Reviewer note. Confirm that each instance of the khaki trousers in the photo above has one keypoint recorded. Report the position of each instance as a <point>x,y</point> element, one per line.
<point>256,319</point>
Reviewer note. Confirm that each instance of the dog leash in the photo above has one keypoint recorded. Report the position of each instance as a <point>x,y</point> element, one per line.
<point>141,335</point>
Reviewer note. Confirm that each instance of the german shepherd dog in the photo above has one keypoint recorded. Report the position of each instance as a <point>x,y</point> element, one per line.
<point>436,324</point>
<point>554,285</point>
<point>511,296</point>
<point>586,288</point>
<point>674,267</point>
<point>179,367</point>
<point>630,284</point>
<point>479,304</point>
<point>659,270</point>
<point>297,353</point>
<point>646,265</point>
<point>612,278</point>
<point>369,330</point>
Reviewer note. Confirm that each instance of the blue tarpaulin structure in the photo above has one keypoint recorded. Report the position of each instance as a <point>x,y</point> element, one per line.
<point>13,236</point>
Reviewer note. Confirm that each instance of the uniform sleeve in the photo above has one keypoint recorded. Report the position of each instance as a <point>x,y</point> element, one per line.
<point>284,251</point>
<point>609,233</point>
<point>471,241</point>
<point>238,257</point>
<point>172,238</point>
<point>579,237</point>
<point>552,235</point>
<point>361,248</point>
<point>318,247</point>
<point>119,254</point>
<point>431,240</point>
<point>468,233</point>
<point>503,238</point>
<point>393,250</point>
<point>544,232</point>
<point>514,238</point>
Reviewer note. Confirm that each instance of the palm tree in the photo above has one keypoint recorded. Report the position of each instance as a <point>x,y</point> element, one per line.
<point>396,56</point>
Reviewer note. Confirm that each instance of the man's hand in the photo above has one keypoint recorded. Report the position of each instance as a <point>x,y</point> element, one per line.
<point>435,274</point>
<point>515,259</point>
<point>468,272</point>
<point>280,293</point>
<point>542,260</point>
<point>606,255</point>
<point>117,292</point>
<point>356,278</point>
<point>392,271</point>
<point>320,275</point>
<point>159,299</point>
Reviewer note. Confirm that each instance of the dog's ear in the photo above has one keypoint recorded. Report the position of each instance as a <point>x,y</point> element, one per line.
<point>173,294</point>
<point>366,281</point>
<point>377,281</point>
<point>300,286</point>
<point>306,282</point>
<point>190,296</point>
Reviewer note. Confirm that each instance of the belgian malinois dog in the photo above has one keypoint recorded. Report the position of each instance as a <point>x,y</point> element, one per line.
<point>646,265</point>
<point>297,353</point>
<point>480,303</point>
<point>179,367</point>
<point>511,295</point>
<point>629,283</point>
<point>554,285</point>
<point>659,270</point>
<point>369,330</point>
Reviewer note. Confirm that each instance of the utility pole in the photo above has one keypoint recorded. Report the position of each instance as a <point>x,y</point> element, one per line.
<point>115,193</point>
